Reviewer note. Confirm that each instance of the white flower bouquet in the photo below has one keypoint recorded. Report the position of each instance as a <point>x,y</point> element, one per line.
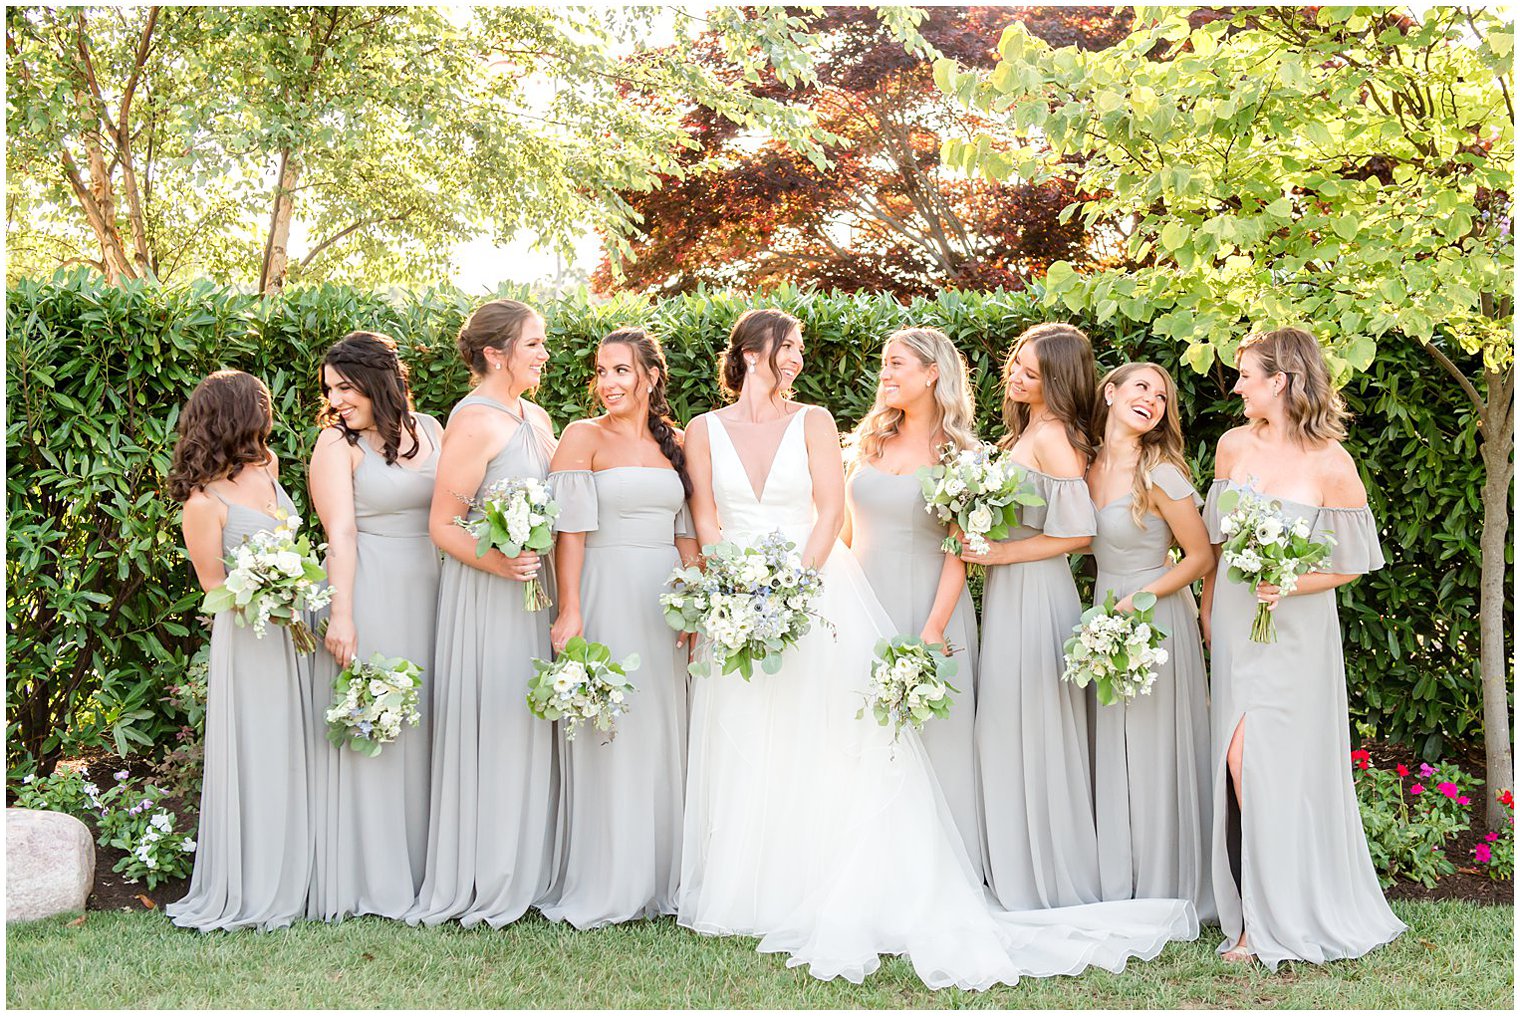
<point>751,603</point>
<point>372,702</point>
<point>910,683</point>
<point>516,514</point>
<point>274,575</point>
<point>1263,545</point>
<point>980,490</point>
<point>582,685</point>
<point>1116,652</point>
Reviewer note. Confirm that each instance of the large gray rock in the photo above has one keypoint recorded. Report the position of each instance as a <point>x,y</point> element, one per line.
<point>49,864</point>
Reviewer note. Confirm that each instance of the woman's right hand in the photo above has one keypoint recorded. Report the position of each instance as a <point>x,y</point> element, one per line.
<point>566,626</point>
<point>522,568</point>
<point>342,639</point>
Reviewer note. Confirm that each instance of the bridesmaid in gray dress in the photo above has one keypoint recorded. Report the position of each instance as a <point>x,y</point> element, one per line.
<point>1151,755</point>
<point>1033,749</point>
<point>1292,874</point>
<point>372,485</point>
<point>922,403</point>
<point>494,771</point>
<point>253,856</point>
<point>621,483</point>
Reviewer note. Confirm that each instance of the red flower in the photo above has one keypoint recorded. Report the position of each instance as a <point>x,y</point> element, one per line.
<point>1506,798</point>
<point>1401,769</point>
<point>1482,854</point>
<point>1416,789</point>
<point>1361,755</point>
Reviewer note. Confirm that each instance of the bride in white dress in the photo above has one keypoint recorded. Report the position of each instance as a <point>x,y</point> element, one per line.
<point>805,826</point>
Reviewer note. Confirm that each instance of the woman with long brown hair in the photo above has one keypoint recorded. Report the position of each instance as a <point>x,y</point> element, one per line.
<point>1150,755</point>
<point>371,481</point>
<point>1032,741</point>
<point>620,479</point>
<point>253,856</point>
<point>1292,874</point>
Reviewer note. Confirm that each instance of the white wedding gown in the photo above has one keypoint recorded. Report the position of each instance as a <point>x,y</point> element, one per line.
<point>808,828</point>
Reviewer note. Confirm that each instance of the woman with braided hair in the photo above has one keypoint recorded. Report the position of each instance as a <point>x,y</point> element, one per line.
<point>372,484</point>
<point>621,482</point>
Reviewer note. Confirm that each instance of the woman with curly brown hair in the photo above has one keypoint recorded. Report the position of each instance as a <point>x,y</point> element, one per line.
<point>253,858</point>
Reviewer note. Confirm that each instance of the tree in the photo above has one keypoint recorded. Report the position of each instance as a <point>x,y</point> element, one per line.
<point>882,214</point>
<point>205,141</point>
<point>1345,169</point>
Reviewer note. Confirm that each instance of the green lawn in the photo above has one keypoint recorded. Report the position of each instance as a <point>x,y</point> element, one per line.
<point>1455,956</point>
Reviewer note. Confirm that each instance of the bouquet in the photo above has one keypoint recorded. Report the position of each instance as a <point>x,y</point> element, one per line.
<point>373,700</point>
<point>910,683</point>
<point>979,490</point>
<point>1262,545</point>
<point>273,575</point>
<point>516,514</point>
<point>581,685</point>
<point>1115,651</point>
<point>750,602</point>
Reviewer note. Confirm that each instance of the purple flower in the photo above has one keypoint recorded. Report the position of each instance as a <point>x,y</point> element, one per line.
<point>121,774</point>
<point>1426,771</point>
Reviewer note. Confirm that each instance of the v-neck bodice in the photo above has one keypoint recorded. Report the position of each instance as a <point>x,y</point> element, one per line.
<point>786,500</point>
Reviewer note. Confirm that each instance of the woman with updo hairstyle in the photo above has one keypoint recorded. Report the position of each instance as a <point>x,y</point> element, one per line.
<point>1032,742</point>
<point>253,845</point>
<point>923,410</point>
<point>371,480</point>
<point>620,479</point>
<point>494,768</point>
<point>1292,874</point>
<point>1151,754</point>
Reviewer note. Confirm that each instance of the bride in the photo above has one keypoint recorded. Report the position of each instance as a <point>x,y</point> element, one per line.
<point>806,826</point>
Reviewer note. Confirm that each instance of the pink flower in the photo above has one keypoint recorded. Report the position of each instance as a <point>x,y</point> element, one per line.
<point>1482,854</point>
<point>1463,801</point>
<point>1401,769</point>
<point>1426,771</point>
<point>1448,789</point>
<point>1492,837</point>
<point>1416,789</point>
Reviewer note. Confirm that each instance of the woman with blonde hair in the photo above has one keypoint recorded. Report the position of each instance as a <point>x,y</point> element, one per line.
<point>1151,755</point>
<point>923,408</point>
<point>1292,874</point>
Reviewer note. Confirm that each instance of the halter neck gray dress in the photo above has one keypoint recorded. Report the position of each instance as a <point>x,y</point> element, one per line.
<point>1033,750</point>
<point>253,843</point>
<point>1307,887</point>
<point>898,546</point>
<point>370,815</point>
<point>618,852</point>
<point>1151,756</point>
<point>494,768</point>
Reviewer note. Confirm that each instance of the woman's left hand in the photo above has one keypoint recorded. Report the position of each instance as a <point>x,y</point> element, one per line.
<point>1269,594</point>
<point>997,553</point>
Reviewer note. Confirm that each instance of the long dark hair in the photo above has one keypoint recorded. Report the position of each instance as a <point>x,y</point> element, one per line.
<point>368,361</point>
<point>1068,376</point>
<point>224,426</point>
<point>651,359</point>
<point>756,331</point>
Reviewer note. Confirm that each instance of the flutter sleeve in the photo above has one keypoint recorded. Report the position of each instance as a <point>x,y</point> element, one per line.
<point>1068,508</point>
<point>1174,484</point>
<point>1357,550</point>
<point>684,525</point>
<point>575,490</point>
<point>1211,512</point>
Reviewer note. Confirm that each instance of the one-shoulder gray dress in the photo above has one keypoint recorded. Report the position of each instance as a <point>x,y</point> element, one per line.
<point>1032,736</point>
<point>494,768</point>
<point>370,815</point>
<point>1307,889</point>
<point>1151,769</point>
<point>897,544</point>
<point>618,853</point>
<point>253,844</point>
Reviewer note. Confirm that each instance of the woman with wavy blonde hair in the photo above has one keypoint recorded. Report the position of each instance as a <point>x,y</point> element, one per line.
<point>1289,840</point>
<point>1151,755</point>
<point>923,407</point>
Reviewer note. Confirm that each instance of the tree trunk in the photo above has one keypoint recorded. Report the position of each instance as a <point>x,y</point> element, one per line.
<point>276,246</point>
<point>1498,461</point>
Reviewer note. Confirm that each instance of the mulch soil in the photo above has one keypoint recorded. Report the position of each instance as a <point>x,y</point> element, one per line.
<point>1468,882</point>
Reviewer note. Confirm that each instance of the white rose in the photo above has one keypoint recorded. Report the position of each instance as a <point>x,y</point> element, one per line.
<point>980,519</point>
<point>1228,525</point>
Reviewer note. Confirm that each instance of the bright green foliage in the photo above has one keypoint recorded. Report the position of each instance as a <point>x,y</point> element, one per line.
<point>1345,169</point>
<point>101,602</point>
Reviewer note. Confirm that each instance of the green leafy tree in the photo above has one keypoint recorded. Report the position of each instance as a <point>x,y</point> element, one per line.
<point>1345,169</point>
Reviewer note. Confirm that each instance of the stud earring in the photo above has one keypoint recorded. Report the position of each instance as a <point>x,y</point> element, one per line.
<point>928,384</point>
<point>1108,402</point>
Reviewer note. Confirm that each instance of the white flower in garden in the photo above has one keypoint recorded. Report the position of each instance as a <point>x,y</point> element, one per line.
<point>162,820</point>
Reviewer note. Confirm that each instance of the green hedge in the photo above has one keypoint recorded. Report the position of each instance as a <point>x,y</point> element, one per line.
<point>100,607</point>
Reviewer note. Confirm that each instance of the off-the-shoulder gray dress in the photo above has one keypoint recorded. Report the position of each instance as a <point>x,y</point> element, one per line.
<point>494,769</point>
<point>618,851</point>
<point>370,815</point>
<point>898,546</point>
<point>1307,887</point>
<point>1032,740</point>
<point>1151,770</point>
<point>253,843</point>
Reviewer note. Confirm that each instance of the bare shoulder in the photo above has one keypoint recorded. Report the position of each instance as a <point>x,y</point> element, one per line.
<point>697,428</point>
<point>1055,455</point>
<point>533,411</point>
<point>1339,479</point>
<point>477,421</point>
<point>818,421</point>
<point>1232,443</point>
<point>202,509</point>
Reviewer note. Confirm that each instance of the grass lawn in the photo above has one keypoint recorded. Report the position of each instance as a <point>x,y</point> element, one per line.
<point>1455,956</point>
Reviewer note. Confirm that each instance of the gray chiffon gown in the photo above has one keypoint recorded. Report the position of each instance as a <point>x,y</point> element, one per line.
<point>1305,886</point>
<point>1151,769</point>
<point>618,851</point>
<point>897,544</point>
<point>495,778</point>
<point>1039,844</point>
<point>370,815</point>
<point>253,846</point>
